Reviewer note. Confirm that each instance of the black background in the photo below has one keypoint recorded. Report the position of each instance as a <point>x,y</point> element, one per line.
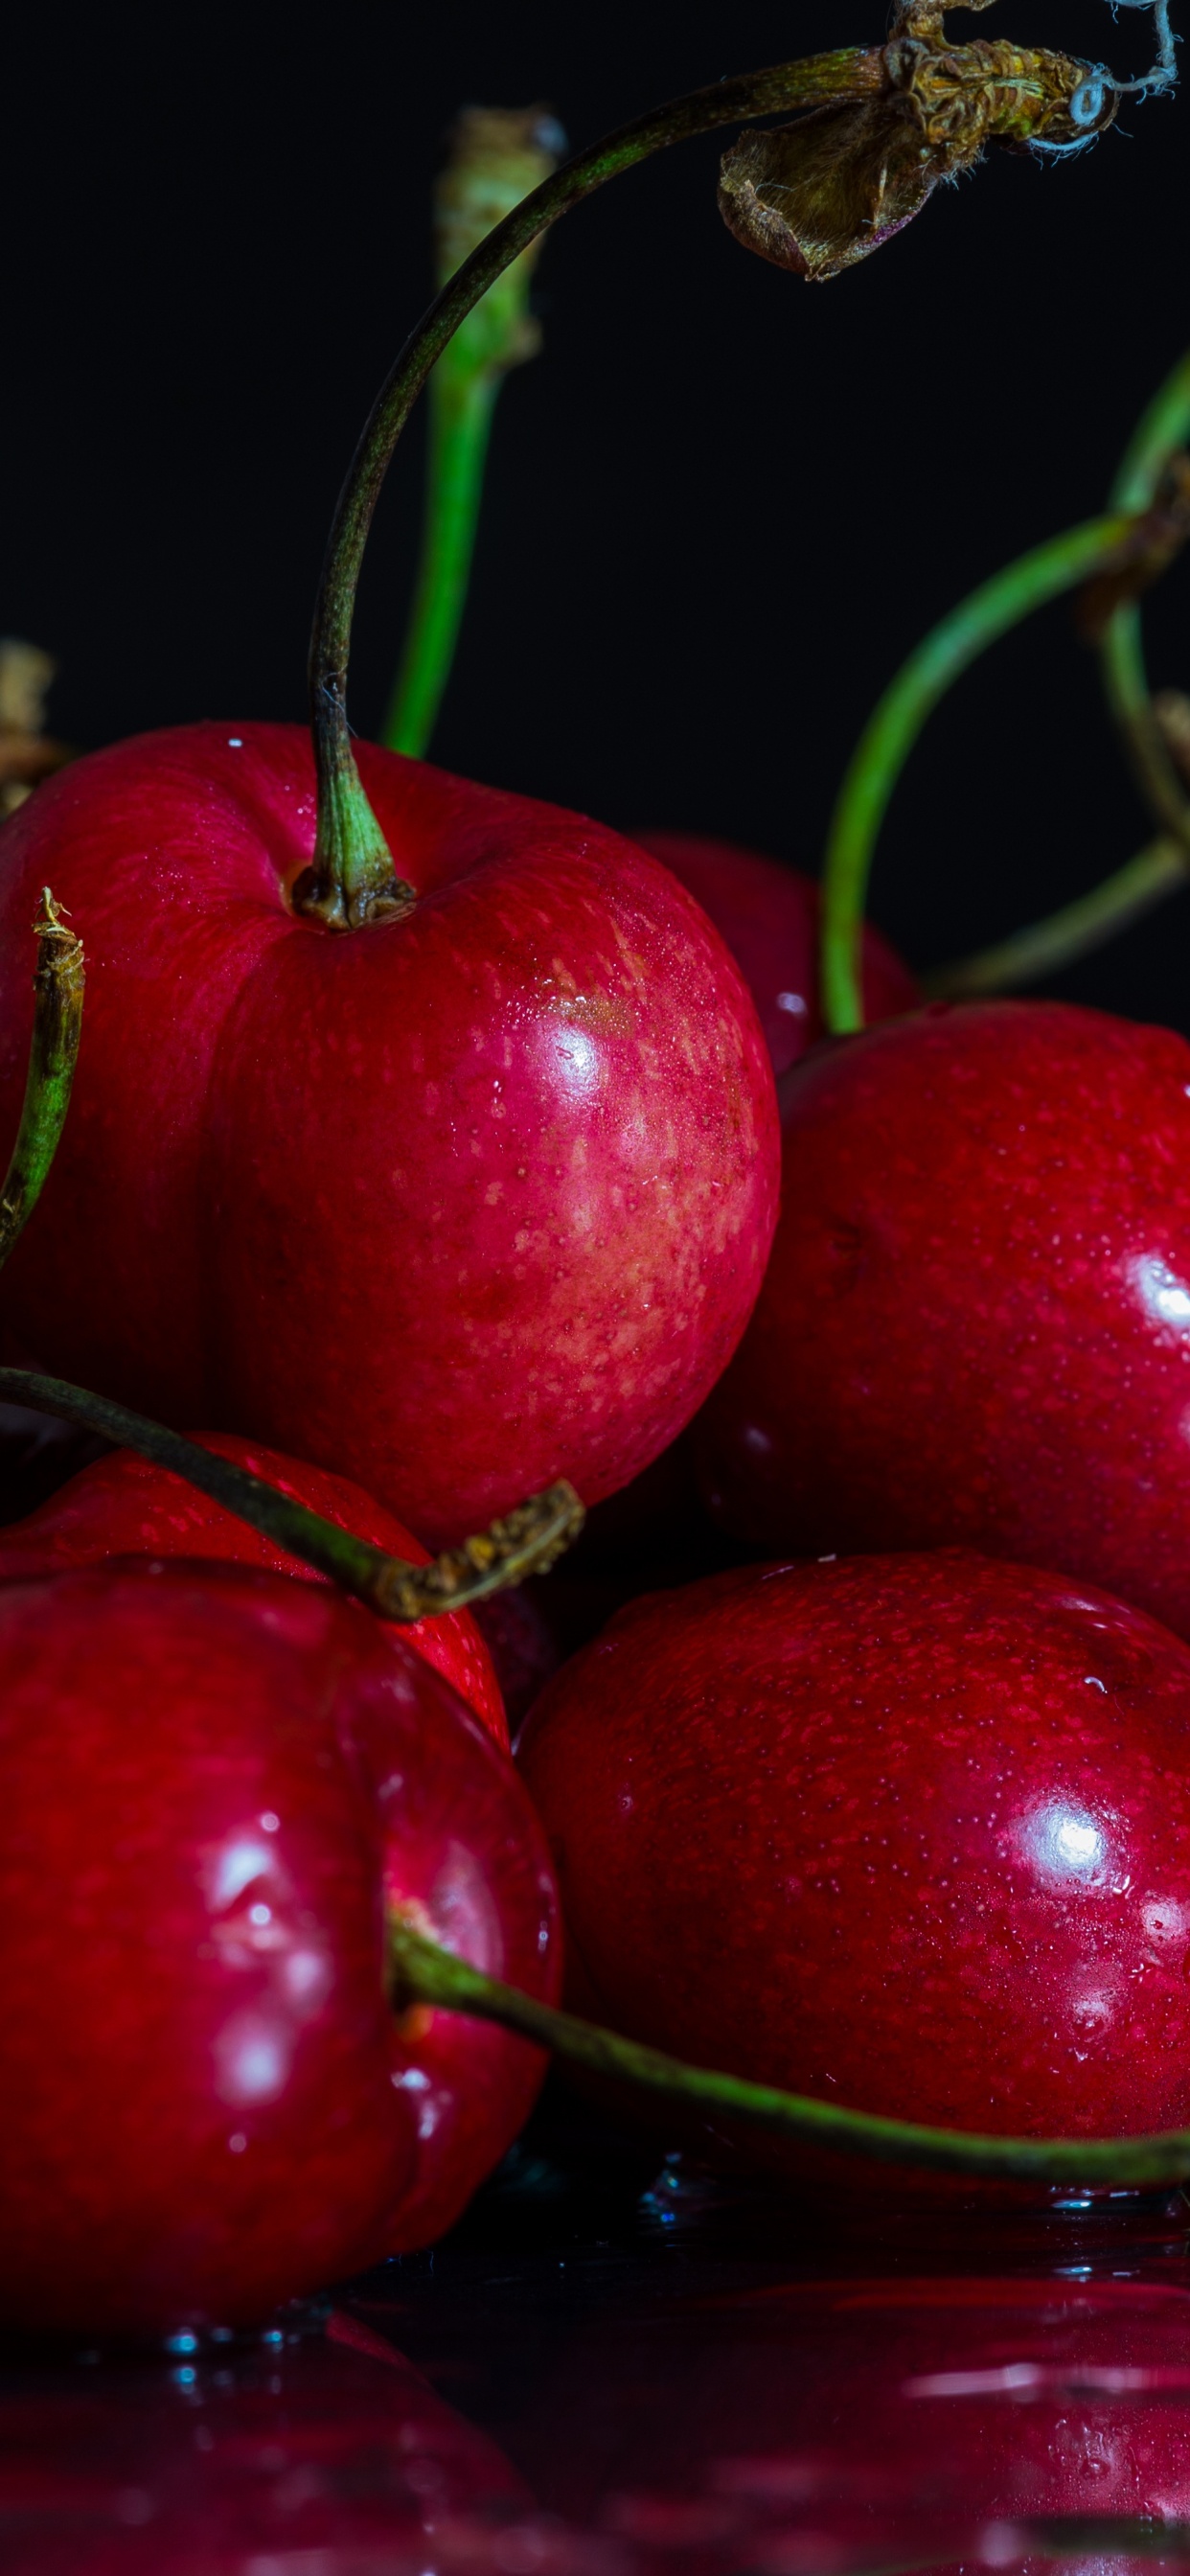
<point>722,505</point>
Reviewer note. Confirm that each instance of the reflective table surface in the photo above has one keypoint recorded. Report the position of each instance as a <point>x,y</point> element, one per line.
<point>620,2365</point>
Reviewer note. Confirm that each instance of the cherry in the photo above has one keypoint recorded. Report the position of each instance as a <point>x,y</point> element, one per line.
<point>976,1321</point>
<point>655,1531</point>
<point>213,1780</point>
<point>454,1204</point>
<point>123,1505</point>
<point>908,1834</point>
<point>768,915</point>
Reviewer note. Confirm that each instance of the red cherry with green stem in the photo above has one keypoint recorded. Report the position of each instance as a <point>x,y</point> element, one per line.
<point>768,914</point>
<point>906,1833</point>
<point>126,1505</point>
<point>974,1325</point>
<point>480,1191</point>
<point>209,2105</point>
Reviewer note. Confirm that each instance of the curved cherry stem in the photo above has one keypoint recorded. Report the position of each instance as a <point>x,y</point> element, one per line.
<point>353,879</point>
<point>526,1541</point>
<point>1164,429</point>
<point>1061,565</point>
<point>1076,930</point>
<point>58,988</point>
<point>423,1972</point>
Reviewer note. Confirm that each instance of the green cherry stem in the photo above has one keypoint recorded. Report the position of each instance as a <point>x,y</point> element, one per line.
<point>498,155</point>
<point>1045,947</point>
<point>423,1972</point>
<point>1162,869</point>
<point>353,879</point>
<point>1164,428</point>
<point>526,1541</point>
<point>58,987</point>
<point>1061,565</point>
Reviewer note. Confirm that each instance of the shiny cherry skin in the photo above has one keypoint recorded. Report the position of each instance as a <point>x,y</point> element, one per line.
<point>124,1505</point>
<point>768,915</point>
<point>908,1833</point>
<point>976,1322</point>
<point>452,1205</point>
<point>212,1780</point>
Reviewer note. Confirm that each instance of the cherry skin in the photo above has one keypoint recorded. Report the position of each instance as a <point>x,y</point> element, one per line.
<point>976,1321</point>
<point>124,1505</point>
<point>212,1780</point>
<point>453,1205</point>
<point>769,915</point>
<point>907,1833</point>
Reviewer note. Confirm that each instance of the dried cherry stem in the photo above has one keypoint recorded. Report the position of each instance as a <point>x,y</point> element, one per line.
<point>1064,563</point>
<point>525,1541</point>
<point>58,987</point>
<point>353,879</point>
<point>497,156</point>
<point>424,1973</point>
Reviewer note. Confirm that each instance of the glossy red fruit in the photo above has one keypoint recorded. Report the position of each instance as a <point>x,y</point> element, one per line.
<point>123,1505</point>
<point>976,1321</point>
<point>768,915</point>
<point>911,1834</point>
<point>210,1781</point>
<point>455,1204</point>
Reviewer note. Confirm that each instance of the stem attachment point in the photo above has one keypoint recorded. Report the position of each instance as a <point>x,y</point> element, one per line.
<point>353,882</point>
<point>422,1972</point>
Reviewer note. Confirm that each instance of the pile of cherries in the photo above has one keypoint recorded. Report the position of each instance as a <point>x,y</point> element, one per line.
<point>542,1169</point>
<point>905,1823</point>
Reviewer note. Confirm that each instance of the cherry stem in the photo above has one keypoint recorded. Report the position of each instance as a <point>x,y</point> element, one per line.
<point>1078,928</point>
<point>1164,428</point>
<point>526,1541</point>
<point>423,1972</point>
<point>1101,546</point>
<point>1161,870</point>
<point>497,156</point>
<point>459,434</point>
<point>58,987</point>
<point>353,879</point>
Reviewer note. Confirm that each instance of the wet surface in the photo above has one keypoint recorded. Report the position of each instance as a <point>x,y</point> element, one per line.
<point>620,2366</point>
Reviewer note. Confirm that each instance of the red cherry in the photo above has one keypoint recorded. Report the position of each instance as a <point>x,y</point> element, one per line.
<point>126,1506</point>
<point>910,1834</point>
<point>976,1320</point>
<point>768,915</point>
<point>456,1204</point>
<point>210,1779</point>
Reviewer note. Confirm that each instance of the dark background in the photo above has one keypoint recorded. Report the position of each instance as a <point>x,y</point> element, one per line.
<point>722,505</point>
